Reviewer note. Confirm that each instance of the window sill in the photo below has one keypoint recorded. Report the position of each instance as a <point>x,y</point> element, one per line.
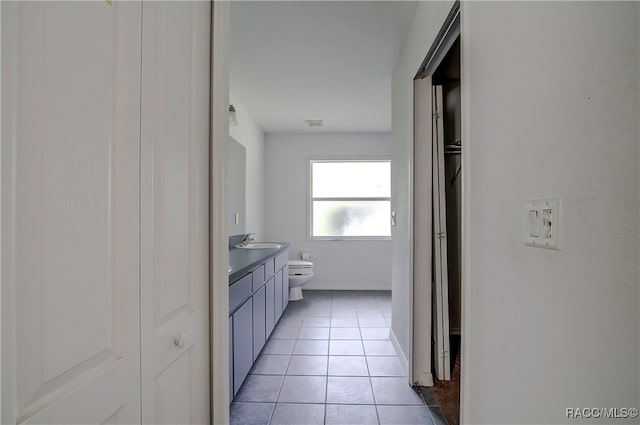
<point>349,238</point>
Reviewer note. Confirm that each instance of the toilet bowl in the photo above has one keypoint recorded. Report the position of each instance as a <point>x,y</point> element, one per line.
<point>300,272</point>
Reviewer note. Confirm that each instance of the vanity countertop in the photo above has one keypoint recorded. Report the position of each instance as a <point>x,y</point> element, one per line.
<point>242,261</point>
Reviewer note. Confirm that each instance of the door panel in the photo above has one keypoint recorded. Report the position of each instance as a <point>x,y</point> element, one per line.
<point>171,402</point>
<point>441,281</point>
<point>422,225</point>
<point>70,152</point>
<point>170,167</point>
<point>174,203</point>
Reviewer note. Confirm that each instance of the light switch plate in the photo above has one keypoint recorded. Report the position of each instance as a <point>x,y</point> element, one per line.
<point>542,219</point>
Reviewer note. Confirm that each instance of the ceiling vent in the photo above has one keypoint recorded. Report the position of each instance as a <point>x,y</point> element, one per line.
<point>314,123</point>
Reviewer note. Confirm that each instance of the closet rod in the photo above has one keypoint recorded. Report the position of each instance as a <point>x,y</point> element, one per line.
<point>452,149</point>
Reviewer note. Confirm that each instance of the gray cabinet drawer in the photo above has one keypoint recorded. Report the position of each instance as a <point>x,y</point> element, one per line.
<point>258,277</point>
<point>240,291</point>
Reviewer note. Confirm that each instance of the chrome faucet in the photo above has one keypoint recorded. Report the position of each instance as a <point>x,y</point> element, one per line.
<point>249,237</point>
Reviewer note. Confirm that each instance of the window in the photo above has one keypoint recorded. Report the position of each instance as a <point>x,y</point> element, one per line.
<point>350,199</point>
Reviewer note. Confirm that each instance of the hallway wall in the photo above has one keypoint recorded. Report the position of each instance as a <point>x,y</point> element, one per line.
<point>551,108</point>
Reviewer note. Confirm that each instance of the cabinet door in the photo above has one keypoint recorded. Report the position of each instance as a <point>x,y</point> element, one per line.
<point>259,317</point>
<point>278,295</point>
<point>175,205</point>
<point>269,269</point>
<point>70,212</point>
<point>258,277</point>
<point>285,287</point>
<point>281,260</point>
<point>270,302</point>
<point>242,344</point>
<point>230,357</point>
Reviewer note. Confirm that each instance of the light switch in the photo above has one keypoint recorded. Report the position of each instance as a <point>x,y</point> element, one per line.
<point>534,224</point>
<point>237,218</point>
<point>547,223</point>
<point>542,223</point>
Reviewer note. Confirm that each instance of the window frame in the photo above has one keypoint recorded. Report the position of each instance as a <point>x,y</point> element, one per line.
<point>310,198</point>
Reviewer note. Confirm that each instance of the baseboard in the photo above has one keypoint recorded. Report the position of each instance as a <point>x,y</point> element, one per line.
<point>426,380</point>
<point>344,288</point>
<point>401,356</point>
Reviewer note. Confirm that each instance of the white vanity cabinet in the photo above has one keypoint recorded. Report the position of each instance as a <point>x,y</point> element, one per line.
<point>256,302</point>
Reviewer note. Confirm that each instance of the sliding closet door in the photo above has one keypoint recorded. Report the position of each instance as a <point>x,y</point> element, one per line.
<point>70,212</point>
<point>422,229</point>
<point>441,278</point>
<point>174,203</point>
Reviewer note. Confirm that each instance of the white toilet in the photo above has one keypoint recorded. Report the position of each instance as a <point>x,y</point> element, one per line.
<point>300,272</point>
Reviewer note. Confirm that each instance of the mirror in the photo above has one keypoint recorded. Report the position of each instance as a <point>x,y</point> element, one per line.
<point>236,180</point>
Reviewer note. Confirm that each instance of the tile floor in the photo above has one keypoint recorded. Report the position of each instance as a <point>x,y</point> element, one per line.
<point>330,361</point>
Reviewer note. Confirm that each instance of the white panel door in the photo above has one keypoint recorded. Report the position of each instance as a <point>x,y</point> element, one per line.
<point>441,280</point>
<point>422,244</point>
<point>70,212</point>
<point>175,205</point>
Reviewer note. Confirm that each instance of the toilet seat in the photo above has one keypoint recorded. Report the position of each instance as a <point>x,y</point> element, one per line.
<point>300,264</point>
<point>300,268</point>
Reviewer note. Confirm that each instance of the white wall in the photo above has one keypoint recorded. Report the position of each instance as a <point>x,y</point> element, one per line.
<point>426,23</point>
<point>337,264</point>
<point>551,108</point>
<point>249,134</point>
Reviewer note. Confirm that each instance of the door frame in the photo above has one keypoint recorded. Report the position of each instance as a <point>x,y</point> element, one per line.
<point>451,29</point>
<point>219,247</point>
<point>465,277</point>
<point>462,27</point>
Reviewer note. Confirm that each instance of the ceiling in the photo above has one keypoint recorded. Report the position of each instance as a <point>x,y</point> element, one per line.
<point>293,61</point>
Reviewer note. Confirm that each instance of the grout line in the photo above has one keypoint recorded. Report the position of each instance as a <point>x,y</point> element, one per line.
<point>373,394</point>
<point>305,310</point>
<point>275,404</point>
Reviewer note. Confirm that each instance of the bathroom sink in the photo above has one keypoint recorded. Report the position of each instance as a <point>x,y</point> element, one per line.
<point>259,245</point>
